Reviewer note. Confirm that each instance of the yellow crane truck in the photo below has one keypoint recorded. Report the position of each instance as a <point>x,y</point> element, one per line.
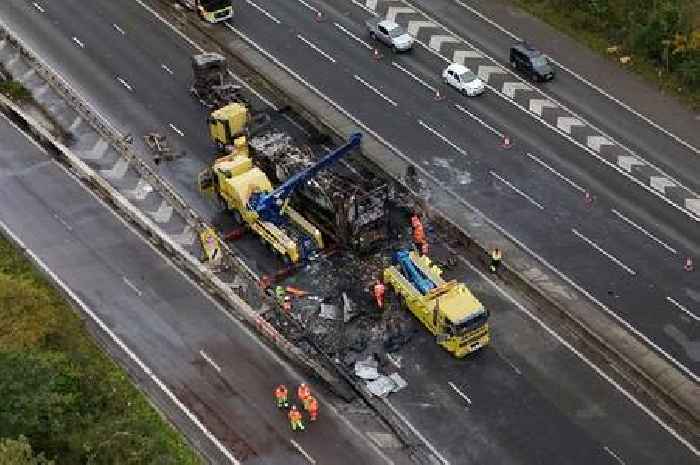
<point>447,308</point>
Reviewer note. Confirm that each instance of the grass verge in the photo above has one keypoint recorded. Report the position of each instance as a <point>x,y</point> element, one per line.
<point>61,391</point>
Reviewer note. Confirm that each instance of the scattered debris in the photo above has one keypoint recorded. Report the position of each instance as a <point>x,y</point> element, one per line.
<point>385,385</point>
<point>367,368</point>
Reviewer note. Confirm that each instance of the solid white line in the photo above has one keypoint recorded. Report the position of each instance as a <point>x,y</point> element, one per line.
<point>523,194</point>
<point>315,47</point>
<point>419,80</point>
<point>132,286</point>
<point>303,452</point>
<point>310,7</point>
<point>461,394</point>
<point>263,11</point>
<point>374,89</point>
<point>353,36</point>
<point>683,309</point>
<point>121,31</point>
<point>167,70</point>
<point>615,456</point>
<point>80,44</point>
<point>631,328</point>
<point>416,432</point>
<point>443,138</point>
<point>479,120</point>
<point>209,360</point>
<point>647,233</point>
<point>587,82</point>
<point>581,356</point>
<point>599,249</point>
<point>124,83</point>
<point>38,7</point>
<point>174,128</point>
<point>557,173</point>
<point>134,358</point>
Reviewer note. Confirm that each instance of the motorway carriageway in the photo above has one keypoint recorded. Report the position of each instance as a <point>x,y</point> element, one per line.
<point>557,390</point>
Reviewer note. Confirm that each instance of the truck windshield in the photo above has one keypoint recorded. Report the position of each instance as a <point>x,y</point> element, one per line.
<point>539,61</point>
<point>396,32</point>
<point>215,5</point>
<point>472,322</point>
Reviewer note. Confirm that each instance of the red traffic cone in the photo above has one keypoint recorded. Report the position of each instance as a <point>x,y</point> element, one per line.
<point>438,96</point>
<point>375,55</point>
<point>689,265</point>
<point>588,199</point>
<point>319,16</point>
<point>506,144</point>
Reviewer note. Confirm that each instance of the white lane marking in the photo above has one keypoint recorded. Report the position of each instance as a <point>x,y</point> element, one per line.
<point>209,360</point>
<point>683,309</point>
<point>512,365</point>
<point>660,183</point>
<point>310,7</point>
<point>353,36</point>
<point>479,120</point>
<point>263,11</point>
<point>565,123</point>
<point>63,222</point>
<point>80,44</point>
<point>542,121</point>
<point>457,148</point>
<point>316,48</point>
<point>580,355</point>
<point>120,30</point>
<point>303,452</point>
<point>374,89</point>
<point>369,7</point>
<point>601,250</point>
<point>460,393</point>
<point>587,82</point>
<point>416,78</point>
<point>395,360</point>
<point>647,233</point>
<point>174,128</point>
<point>38,7</point>
<point>415,431</point>
<point>523,194</point>
<point>615,456</point>
<point>134,358</point>
<point>125,84</point>
<point>132,286</point>
<point>166,69</point>
<point>557,173</point>
<point>631,328</point>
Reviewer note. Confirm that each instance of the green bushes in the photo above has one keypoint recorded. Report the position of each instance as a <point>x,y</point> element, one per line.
<point>62,396</point>
<point>14,90</point>
<point>662,36</point>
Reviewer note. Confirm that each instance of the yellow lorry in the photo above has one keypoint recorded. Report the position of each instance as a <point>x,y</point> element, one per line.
<point>447,308</point>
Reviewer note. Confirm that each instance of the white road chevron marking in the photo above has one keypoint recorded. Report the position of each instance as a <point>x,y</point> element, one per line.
<point>118,170</point>
<point>596,142</point>
<point>393,11</point>
<point>415,26</point>
<point>461,55</point>
<point>538,104</point>
<point>186,237</point>
<point>565,123</point>
<point>485,71</point>
<point>97,152</point>
<point>371,5</point>
<point>693,205</point>
<point>626,162</point>
<point>436,41</point>
<point>75,124</point>
<point>163,214</point>
<point>509,88</point>
<point>141,191</point>
<point>660,183</point>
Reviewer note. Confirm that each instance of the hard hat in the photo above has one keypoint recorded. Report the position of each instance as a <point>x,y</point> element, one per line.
<point>286,297</point>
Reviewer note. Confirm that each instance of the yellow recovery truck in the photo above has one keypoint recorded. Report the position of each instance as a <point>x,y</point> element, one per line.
<point>447,308</point>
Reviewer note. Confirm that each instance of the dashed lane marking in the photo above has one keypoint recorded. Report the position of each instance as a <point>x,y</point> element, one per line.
<point>415,431</point>
<point>264,12</point>
<point>166,69</point>
<point>353,36</point>
<point>310,7</point>
<point>521,193</point>
<point>614,455</point>
<point>120,30</point>
<point>63,222</point>
<point>602,251</point>
<point>683,309</point>
<point>132,286</point>
<point>454,146</point>
<point>479,120</point>
<point>176,129</point>
<point>78,42</point>
<point>375,90</point>
<point>316,48</point>
<point>125,84</point>
<point>645,232</point>
<point>460,393</point>
<point>38,7</point>
<point>209,360</point>
<point>556,173</point>
<point>412,75</point>
<point>301,450</point>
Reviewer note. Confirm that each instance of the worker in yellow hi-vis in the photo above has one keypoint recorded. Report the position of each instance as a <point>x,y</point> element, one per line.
<point>295,420</point>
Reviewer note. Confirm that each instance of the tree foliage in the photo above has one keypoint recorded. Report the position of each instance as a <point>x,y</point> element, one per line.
<point>19,452</point>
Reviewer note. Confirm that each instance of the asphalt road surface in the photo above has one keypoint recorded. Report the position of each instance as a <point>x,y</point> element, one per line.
<point>217,369</point>
<point>526,402</point>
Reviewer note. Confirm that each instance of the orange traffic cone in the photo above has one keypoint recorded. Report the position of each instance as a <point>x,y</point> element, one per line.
<point>588,199</point>
<point>319,16</point>
<point>689,265</point>
<point>438,96</point>
<point>506,144</point>
<point>375,55</point>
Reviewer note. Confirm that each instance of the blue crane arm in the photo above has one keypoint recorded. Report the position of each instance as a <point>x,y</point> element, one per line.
<point>412,273</point>
<point>267,205</point>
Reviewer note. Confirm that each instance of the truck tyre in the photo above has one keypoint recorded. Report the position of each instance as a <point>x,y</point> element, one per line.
<point>373,36</point>
<point>394,49</point>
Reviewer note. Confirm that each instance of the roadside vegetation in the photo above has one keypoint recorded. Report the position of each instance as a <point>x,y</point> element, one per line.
<point>661,37</point>
<point>14,90</point>
<point>63,401</point>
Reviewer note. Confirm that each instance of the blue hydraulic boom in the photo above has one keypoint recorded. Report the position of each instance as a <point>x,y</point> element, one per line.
<point>412,273</point>
<point>268,205</point>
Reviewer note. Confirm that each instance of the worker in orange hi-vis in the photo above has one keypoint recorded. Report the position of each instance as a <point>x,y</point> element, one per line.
<point>379,294</point>
<point>304,392</point>
<point>419,238</point>
<point>295,420</point>
<point>282,396</point>
<point>312,407</point>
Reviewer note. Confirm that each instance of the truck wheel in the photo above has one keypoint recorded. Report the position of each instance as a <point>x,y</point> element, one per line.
<point>394,49</point>
<point>373,36</point>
